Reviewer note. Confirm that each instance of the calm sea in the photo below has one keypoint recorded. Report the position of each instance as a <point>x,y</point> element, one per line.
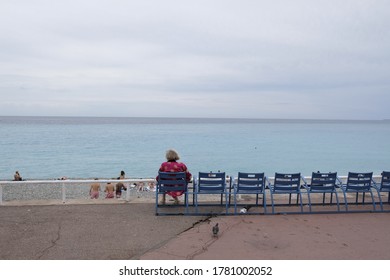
<point>52,147</point>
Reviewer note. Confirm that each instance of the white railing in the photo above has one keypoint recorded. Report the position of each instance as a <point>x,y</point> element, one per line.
<point>64,183</point>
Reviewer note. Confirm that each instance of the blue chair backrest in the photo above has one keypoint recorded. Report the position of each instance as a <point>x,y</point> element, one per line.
<point>171,181</point>
<point>213,182</point>
<point>250,182</point>
<point>323,181</point>
<point>287,182</point>
<point>359,181</point>
<point>385,182</point>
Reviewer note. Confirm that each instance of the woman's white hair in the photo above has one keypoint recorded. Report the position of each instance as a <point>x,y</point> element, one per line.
<point>172,155</point>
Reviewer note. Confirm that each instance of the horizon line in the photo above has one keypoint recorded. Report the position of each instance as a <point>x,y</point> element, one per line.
<point>200,118</point>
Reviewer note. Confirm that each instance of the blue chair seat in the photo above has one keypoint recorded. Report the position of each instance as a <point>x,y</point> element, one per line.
<point>210,183</point>
<point>286,183</point>
<point>250,184</point>
<point>384,186</point>
<point>171,182</point>
<point>323,183</point>
<point>359,183</point>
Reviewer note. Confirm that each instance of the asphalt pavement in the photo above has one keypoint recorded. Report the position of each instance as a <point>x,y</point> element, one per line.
<point>132,231</point>
<point>85,231</point>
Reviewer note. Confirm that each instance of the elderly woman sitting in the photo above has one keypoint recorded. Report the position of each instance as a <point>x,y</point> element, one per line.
<point>172,165</point>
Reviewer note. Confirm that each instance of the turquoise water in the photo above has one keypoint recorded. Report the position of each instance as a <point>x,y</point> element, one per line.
<point>50,147</point>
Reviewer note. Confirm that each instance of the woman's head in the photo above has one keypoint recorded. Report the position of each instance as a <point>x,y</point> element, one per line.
<point>172,155</point>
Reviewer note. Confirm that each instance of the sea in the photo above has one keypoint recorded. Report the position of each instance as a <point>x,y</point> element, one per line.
<point>101,147</point>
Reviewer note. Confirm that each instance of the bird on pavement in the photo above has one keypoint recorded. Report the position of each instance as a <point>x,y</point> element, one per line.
<point>215,230</point>
<point>245,209</point>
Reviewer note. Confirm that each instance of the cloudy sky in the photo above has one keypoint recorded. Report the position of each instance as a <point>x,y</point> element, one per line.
<point>323,59</point>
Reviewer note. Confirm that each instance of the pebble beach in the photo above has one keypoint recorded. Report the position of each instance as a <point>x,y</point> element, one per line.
<point>40,191</point>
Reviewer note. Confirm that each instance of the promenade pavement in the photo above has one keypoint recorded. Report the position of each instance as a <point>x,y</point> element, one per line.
<point>132,231</point>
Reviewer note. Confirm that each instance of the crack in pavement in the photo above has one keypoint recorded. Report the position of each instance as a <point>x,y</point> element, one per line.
<point>53,243</point>
<point>162,243</point>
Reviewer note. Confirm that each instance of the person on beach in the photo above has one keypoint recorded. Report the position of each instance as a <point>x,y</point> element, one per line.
<point>172,165</point>
<point>151,187</point>
<point>17,176</point>
<point>118,189</point>
<point>141,186</point>
<point>94,190</point>
<point>120,186</point>
<point>109,190</point>
<point>122,176</point>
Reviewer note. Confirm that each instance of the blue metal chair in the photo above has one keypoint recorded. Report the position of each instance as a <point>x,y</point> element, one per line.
<point>251,184</point>
<point>384,186</point>
<point>286,184</point>
<point>323,183</point>
<point>210,184</point>
<point>359,183</point>
<point>168,182</point>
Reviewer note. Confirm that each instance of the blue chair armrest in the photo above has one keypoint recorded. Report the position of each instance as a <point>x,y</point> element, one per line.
<point>375,184</point>
<point>195,183</point>
<point>233,184</point>
<point>305,184</point>
<point>268,182</point>
<point>339,183</point>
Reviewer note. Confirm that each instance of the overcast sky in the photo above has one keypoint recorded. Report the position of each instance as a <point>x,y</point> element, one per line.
<point>247,58</point>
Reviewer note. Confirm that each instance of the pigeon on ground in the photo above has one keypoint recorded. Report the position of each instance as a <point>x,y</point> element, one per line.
<point>245,209</point>
<point>215,230</point>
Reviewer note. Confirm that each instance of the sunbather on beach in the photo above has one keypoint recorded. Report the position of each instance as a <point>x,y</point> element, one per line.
<point>17,176</point>
<point>109,190</point>
<point>151,186</point>
<point>172,165</point>
<point>94,190</point>
<point>141,186</point>
<point>122,176</point>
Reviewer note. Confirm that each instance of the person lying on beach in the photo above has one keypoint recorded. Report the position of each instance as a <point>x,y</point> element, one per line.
<point>109,190</point>
<point>118,189</point>
<point>172,165</point>
<point>94,190</point>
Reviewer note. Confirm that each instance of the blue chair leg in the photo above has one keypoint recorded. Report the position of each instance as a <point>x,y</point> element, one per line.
<point>272,202</point>
<point>226,203</point>
<point>235,203</point>
<point>345,200</point>
<point>308,197</point>
<point>186,201</point>
<point>196,202</point>
<point>357,198</point>
<point>364,197</point>
<point>337,201</point>
<point>300,198</point>
<point>373,200</point>
<point>380,200</point>
<point>156,202</point>
<point>331,198</point>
